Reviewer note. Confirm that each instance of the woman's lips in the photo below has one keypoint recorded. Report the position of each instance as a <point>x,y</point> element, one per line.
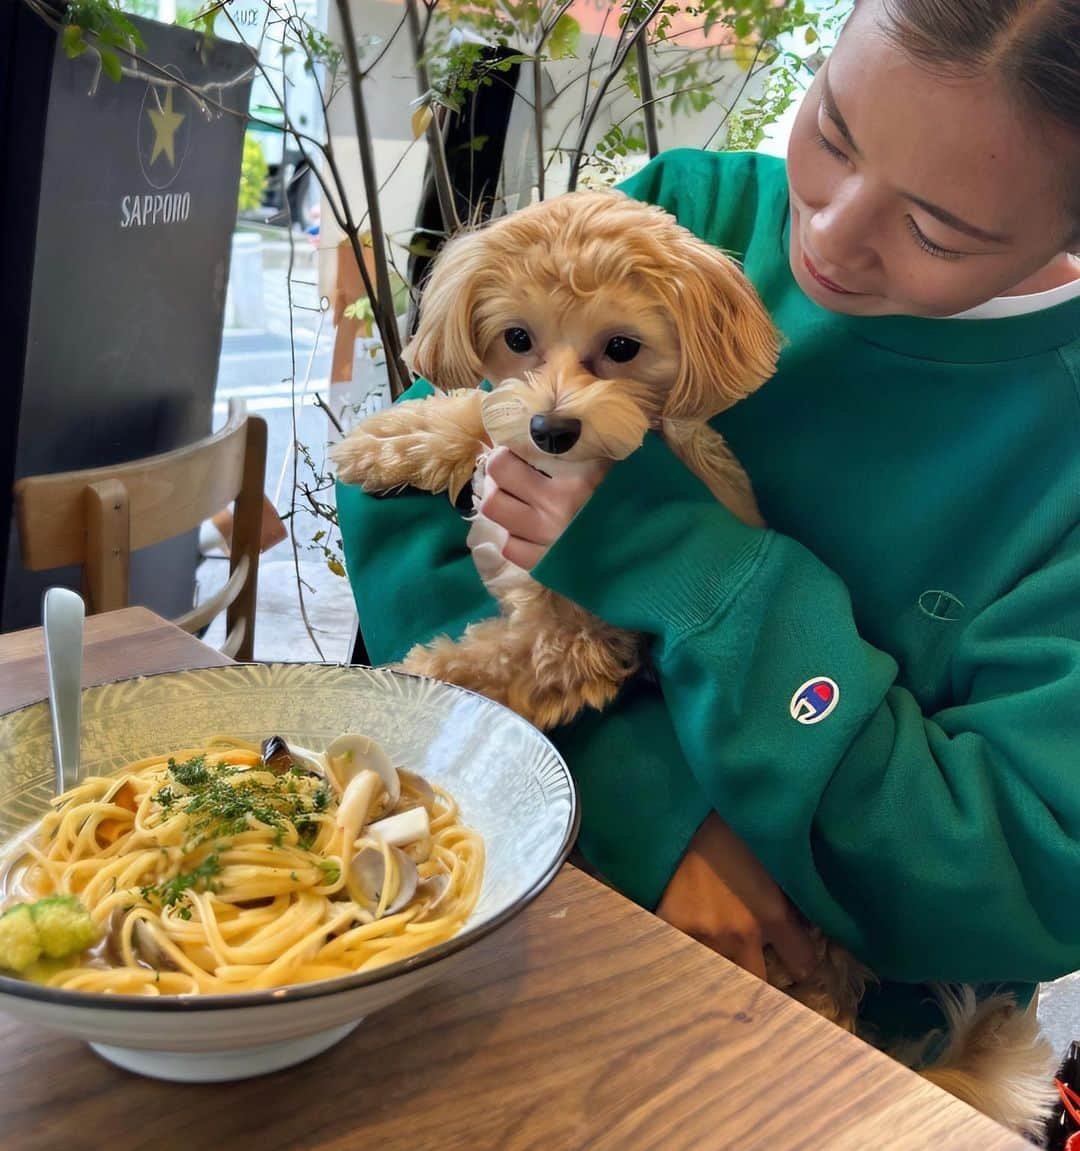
<point>824,281</point>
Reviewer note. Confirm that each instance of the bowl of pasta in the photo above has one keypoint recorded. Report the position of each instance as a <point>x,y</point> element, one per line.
<point>257,857</point>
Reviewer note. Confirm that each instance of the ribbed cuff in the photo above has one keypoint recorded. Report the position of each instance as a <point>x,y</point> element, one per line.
<point>652,550</point>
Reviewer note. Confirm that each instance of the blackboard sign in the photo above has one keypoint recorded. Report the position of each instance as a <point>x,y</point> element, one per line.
<point>112,338</point>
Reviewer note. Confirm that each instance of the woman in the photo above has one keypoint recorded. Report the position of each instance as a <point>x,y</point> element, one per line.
<point>880,693</point>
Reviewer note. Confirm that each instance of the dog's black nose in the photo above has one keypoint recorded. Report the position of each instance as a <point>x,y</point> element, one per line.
<point>554,434</point>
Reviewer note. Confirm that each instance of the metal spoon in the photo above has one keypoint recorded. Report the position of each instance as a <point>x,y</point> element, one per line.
<point>63,614</point>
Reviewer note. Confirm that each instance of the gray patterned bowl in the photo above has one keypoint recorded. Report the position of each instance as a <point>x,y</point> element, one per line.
<point>510,783</point>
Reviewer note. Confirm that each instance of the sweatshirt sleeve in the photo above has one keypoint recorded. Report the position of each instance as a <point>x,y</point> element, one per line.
<point>411,574</point>
<point>934,846</point>
<point>413,578</point>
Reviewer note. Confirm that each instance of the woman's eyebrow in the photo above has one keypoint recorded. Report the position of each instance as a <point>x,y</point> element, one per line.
<point>948,218</point>
<point>956,223</point>
<point>833,113</point>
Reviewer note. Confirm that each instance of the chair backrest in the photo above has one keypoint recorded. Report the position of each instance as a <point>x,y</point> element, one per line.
<point>97,517</point>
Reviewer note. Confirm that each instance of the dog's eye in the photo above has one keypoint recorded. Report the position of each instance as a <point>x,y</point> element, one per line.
<point>622,349</point>
<point>518,340</point>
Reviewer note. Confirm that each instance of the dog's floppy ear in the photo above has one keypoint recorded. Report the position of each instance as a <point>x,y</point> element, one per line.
<point>443,350</point>
<point>728,342</point>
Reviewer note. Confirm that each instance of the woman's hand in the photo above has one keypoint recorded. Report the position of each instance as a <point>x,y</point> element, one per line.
<point>723,897</point>
<point>534,509</point>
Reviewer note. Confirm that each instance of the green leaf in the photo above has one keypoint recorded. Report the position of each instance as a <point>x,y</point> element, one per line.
<point>110,65</point>
<point>336,566</point>
<point>565,38</point>
<point>811,36</point>
<point>74,44</point>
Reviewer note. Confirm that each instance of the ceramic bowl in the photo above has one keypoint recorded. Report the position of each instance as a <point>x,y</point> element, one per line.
<point>510,783</point>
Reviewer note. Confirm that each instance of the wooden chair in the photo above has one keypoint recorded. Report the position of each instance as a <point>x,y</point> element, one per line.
<point>98,517</point>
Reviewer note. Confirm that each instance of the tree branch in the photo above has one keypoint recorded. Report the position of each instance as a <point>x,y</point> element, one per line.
<point>383,300</point>
<point>616,66</point>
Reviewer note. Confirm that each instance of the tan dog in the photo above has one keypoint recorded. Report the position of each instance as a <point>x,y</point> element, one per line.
<point>595,318</point>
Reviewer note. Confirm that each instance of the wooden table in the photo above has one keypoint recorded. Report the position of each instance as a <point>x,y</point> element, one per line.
<point>584,1023</point>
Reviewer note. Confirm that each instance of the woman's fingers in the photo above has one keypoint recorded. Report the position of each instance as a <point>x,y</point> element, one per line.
<point>532,507</point>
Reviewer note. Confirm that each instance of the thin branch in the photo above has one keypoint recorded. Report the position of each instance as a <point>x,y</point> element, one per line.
<point>546,30</point>
<point>444,188</point>
<point>652,135</point>
<point>386,47</point>
<point>295,429</point>
<point>383,301</point>
<point>321,403</point>
<point>592,60</point>
<point>616,66</point>
<point>750,74</point>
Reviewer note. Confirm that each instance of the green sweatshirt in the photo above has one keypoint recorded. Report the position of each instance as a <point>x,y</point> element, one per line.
<point>881,691</point>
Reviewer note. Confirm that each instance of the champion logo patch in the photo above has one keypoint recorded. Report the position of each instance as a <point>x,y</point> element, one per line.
<point>816,699</point>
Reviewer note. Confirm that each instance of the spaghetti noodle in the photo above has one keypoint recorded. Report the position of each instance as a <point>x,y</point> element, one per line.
<point>211,871</point>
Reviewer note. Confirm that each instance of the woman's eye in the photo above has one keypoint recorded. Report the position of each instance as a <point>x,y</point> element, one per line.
<point>830,147</point>
<point>927,244</point>
<point>518,340</point>
<point>622,349</point>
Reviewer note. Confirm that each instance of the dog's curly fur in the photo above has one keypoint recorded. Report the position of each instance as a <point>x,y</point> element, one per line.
<point>572,273</point>
<point>575,272</point>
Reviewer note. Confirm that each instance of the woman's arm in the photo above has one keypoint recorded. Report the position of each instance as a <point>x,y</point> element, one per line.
<point>411,574</point>
<point>931,845</point>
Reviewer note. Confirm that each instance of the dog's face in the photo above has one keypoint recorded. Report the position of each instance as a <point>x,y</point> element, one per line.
<point>579,376</point>
<point>593,316</point>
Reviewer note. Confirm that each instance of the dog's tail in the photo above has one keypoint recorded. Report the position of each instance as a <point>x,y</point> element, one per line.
<point>996,1059</point>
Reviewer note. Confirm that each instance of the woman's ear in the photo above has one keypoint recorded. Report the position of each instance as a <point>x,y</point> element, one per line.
<point>728,343</point>
<point>443,350</point>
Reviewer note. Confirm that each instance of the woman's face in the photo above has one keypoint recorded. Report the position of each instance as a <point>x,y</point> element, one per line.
<point>915,194</point>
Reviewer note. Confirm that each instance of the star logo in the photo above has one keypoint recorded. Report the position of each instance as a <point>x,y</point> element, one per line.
<point>166,121</point>
<point>163,133</point>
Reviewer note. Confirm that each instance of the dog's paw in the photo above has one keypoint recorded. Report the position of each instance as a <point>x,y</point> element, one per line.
<point>380,463</point>
<point>458,662</point>
<point>553,706</point>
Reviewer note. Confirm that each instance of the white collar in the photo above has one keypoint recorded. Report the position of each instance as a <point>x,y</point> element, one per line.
<point>1002,306</point>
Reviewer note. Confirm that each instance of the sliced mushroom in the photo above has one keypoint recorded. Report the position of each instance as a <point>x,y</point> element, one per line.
<point>366,879</point>
<point>114,949</point>
<point>361,799</point>
<point>405,827</point>
<point>146,948</point>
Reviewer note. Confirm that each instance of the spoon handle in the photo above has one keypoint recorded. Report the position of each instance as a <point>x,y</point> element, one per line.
<point>63,614</point>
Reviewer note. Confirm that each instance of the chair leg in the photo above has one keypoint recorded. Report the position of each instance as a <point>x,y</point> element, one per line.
<point>247,533</point>
<point>108,545</point>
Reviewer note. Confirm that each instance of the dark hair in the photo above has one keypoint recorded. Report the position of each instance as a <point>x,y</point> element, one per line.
<point>1032,45</point>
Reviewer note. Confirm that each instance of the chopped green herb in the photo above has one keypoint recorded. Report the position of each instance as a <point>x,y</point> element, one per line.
<point>226,800</point>
<point>331,871</point>
<point>191,773</point>
<point>170,892</point>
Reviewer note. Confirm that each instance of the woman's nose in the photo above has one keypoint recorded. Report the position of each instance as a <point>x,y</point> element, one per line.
<point>840,230</point>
